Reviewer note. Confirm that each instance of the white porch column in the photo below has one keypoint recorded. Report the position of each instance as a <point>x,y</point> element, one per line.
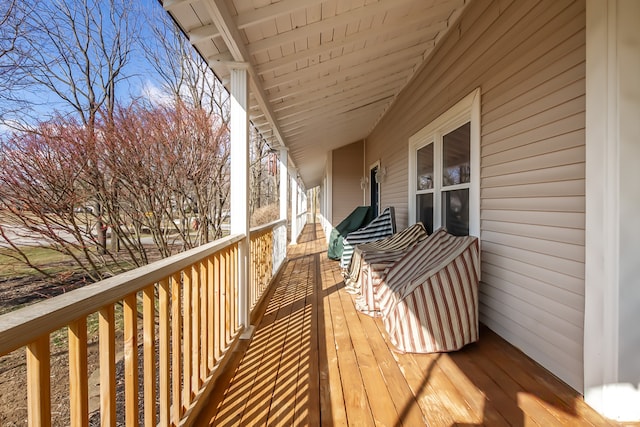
<point>328,193</point>
<point>239,129</point>
<point>294,210</point>
<point>612,272</point>
<point>284,182</point>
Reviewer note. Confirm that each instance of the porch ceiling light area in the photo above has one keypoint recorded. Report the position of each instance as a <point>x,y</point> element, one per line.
<point>322,73</point>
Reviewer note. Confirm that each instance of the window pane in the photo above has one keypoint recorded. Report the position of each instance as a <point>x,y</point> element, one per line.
<point>424,207</point>
<point>425,167</point>
<point>455,211</point>
<point>456,165</point>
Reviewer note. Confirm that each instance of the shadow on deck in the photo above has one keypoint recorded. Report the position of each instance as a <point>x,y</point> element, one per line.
<point>315,360</point>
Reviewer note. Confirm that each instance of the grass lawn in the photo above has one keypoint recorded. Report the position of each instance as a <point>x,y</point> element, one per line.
<point>52,261</point>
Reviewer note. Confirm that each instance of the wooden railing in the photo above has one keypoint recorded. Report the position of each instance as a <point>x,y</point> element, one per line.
<point>326,226</point>
<point>301,221</point>
<point>268,252</point>
<point>184,312</point>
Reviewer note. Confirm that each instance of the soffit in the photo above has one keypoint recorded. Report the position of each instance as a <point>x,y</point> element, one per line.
<point>323,73</point>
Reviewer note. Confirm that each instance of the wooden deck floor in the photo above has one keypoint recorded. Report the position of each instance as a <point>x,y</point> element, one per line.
<point>314,360</point>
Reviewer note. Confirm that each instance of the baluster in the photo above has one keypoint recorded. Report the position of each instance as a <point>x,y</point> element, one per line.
<point>39,382</point>
<point>149,341</point>
<point>164,368</point>
<point>78,375</point>
<point>131,359</point>
<point>107,346</point>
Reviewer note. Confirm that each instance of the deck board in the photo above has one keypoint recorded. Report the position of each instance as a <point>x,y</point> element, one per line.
<point>315,360</point>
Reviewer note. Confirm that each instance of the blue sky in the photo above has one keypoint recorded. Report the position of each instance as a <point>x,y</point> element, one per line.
<point>141,80</point>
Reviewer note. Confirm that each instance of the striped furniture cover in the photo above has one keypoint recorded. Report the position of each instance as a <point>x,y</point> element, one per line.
<point>382,226</point>
<point>396,243</point>
<point>371,262</point>
<point>372,275</point>
<point>429,298</point>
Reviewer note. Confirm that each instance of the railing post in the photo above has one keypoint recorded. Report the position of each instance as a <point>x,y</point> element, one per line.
<point>239,129</point>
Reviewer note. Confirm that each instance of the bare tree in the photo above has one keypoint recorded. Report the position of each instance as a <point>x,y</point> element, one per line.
<point>13,52</point>
<point>164,161</point>
<point>79,49</point>
<point>190,82</point>
<point>78,52</point>
<point>43,179</point>
<point>184,74</point>
<point>9,27</point>
<point>263,180</point>
<point>167,161</point>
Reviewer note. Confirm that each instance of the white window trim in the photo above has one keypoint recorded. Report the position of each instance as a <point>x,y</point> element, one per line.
<point>466,110</point>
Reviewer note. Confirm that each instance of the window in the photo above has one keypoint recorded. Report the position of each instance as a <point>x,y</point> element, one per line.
<point>444,167</point>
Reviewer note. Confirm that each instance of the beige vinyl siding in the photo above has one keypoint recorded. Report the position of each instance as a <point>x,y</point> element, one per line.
<point>393,188</point>
<point>347,170</point>
<point>528,60</point>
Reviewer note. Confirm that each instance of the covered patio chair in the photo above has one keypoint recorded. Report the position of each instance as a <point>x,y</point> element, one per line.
<point>371,262</point>
<point>429,298</point>
<point>384,225</point>
<point>358,218</point>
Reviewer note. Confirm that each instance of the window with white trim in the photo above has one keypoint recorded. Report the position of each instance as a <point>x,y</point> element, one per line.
<point>444,170</point>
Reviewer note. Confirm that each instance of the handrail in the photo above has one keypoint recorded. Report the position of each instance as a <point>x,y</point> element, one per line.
<point>189,303</point>
<point>269,226</point>
<point>24,325</point>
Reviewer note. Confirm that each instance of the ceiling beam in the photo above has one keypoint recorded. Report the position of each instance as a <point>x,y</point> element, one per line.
<point>358,14</point>
<point>351,77</point>
<point>223,19</point>
<point>348,62</point>
<point>203,33</point>
<point>171,5</point>
<point>357,123</point>
<point>333,112</point>
<point>363,35</point>
<point>273,11</point>
<point>337,93</point>
<point>219,58</point>
<point>337,117</point>
<point>336,103</point>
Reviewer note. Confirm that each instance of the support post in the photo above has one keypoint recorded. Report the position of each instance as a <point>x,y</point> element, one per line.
<point>239,129</point>
<point>612,234</point>
<point>284,174</point>
<point>294,210</point>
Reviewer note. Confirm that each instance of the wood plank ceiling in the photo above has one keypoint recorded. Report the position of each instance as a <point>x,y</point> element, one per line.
<point>323,72</point>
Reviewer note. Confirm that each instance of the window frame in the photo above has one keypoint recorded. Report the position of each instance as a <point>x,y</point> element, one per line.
<point>466,110</point>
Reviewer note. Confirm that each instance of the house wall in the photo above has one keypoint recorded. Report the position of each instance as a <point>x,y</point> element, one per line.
<point>347,170</point>
<point>528,58</point>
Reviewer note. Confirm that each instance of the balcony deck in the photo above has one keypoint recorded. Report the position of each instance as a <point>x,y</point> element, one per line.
<point>314,360</point>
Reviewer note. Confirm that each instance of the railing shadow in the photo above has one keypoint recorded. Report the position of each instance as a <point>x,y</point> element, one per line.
<point>275,381</point>
<point>282,377</point>
<point>404,412</point>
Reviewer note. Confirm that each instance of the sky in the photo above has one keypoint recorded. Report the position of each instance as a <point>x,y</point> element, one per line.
<point>141,81</point>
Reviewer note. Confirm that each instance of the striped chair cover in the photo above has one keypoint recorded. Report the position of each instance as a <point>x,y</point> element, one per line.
<point>396,243</point>
<point>382,226</point>
<point>371,262</point>
<point>429,298</point>
<point>372,275</point>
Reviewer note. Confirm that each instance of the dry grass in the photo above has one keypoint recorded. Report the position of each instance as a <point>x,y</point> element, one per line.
<point>265,215</point>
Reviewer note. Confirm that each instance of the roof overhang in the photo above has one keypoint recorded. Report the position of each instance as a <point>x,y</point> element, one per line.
<point>323,72</point>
